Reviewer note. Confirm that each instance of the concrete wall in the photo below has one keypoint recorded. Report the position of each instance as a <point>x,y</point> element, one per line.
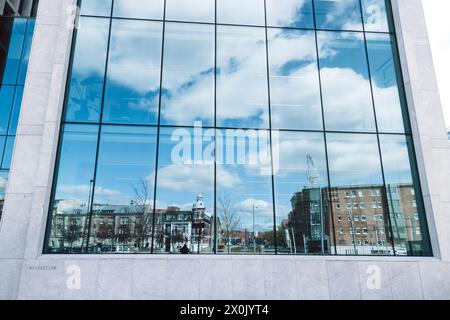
<point>27,274</point>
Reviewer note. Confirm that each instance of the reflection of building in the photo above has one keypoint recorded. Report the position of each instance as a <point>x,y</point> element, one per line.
<point>128,228</point>
<point>306,228</point>
<point>359,220</point>
<point>24,8</point>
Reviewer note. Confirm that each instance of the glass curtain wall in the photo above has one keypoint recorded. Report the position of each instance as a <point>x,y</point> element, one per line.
<point>15,43</point>
<point>236,127</point>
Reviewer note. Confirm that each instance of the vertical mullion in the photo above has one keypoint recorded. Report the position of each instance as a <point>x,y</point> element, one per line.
<point>215,130</point>
<point>158,127</point>
<point>330,196</point>
<point>99,132</point>
<point>384,197</point>
<point>270,132</point>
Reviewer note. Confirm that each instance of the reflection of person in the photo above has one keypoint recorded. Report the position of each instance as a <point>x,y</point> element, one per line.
<point>184,249</point>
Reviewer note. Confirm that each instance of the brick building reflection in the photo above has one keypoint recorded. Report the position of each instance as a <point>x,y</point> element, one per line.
<point>360,221</point>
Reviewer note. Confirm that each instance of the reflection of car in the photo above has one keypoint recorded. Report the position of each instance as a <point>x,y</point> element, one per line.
<point>123,249</point>
<point>221,246</point>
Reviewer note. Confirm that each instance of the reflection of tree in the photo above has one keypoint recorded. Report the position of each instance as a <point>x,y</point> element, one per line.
<point>105,232</point>
<point>144,214</point>
<point>177,237</point>
<point>72,231</point>
<point>124,233</point>
<point>229,218</point>
<point>269,239</point>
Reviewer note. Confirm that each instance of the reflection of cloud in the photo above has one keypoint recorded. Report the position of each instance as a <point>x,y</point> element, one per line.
<point>242,84</point>
<point>263,214</point>
<point>190,10</point>
<point>84,189</point>
<point>342,14</point>
<point>286,13</point>
<point>139,9</point>
<point>194,178</point>
<point>353,159</point>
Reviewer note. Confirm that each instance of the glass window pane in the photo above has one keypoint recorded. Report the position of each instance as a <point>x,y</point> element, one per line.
<point>301,194</point>
<point>139,9</point>
<point>132,89</point>
<point>244,192</point>
<point>13,122</point>
<point>375,15</point>
<point>14,51</point>
<point>404,197</point>
<point>242,94</point>
<point>191,10</point>
<point>124,190</point>
<point>4,175</point>
<point>384,74</point>
<point>2,147</point>
<point>185,191</point>
<point>8,153</point>
<point>6,102</point>
<point>347,99</point>
<point>26,52</point>
<point>96,8</point>
<point>290,13</point>
<point>294,80</point>
<point>248,12</point>
<point>355,176</point>
<point>338,14</point>
<point>73,190</point>
<point>88,71</point>
<point>188,78</point>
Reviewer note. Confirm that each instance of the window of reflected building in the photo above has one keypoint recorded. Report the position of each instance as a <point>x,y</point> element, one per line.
<point>236,128</point>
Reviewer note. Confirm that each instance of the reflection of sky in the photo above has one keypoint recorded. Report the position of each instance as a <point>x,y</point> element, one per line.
<point>243,184</point>
<point>190,10</point>
<point>294,82</point>
<point>13,61</point>
<point>385,88</point>
<point>188,74</point>
<point>77,160</point>
<point>132,90</point>
<point>118,175</point>
<point>353,159</point>
<point>96,7</point>
<point>296,172</point>
<point>396,162</point>
<point>290,13</point>
<point>179,182</point>
<point>338,15</point>
<point>89,63</point>
<point>139,9</point>
<point>346,90</point>
<point>242,101</point>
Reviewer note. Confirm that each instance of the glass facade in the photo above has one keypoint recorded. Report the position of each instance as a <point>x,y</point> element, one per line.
<point>236,127</point>
<point>15,43</point>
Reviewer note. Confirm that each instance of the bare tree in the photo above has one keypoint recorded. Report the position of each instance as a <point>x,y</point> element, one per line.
<point>230,220</point>
<point>72,232</point>
<point>143,225</point>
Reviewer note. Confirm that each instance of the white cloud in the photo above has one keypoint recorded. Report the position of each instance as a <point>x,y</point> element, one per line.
<point>436,13</point>
<point>195,178</point>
